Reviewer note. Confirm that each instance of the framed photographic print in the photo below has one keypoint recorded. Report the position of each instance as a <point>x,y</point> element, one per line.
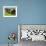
<point>9,11</point>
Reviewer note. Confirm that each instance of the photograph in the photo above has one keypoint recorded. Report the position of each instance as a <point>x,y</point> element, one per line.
<point>9,11</point>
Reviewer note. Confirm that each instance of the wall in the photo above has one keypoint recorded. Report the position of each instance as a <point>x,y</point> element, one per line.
<point>29,12</point>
